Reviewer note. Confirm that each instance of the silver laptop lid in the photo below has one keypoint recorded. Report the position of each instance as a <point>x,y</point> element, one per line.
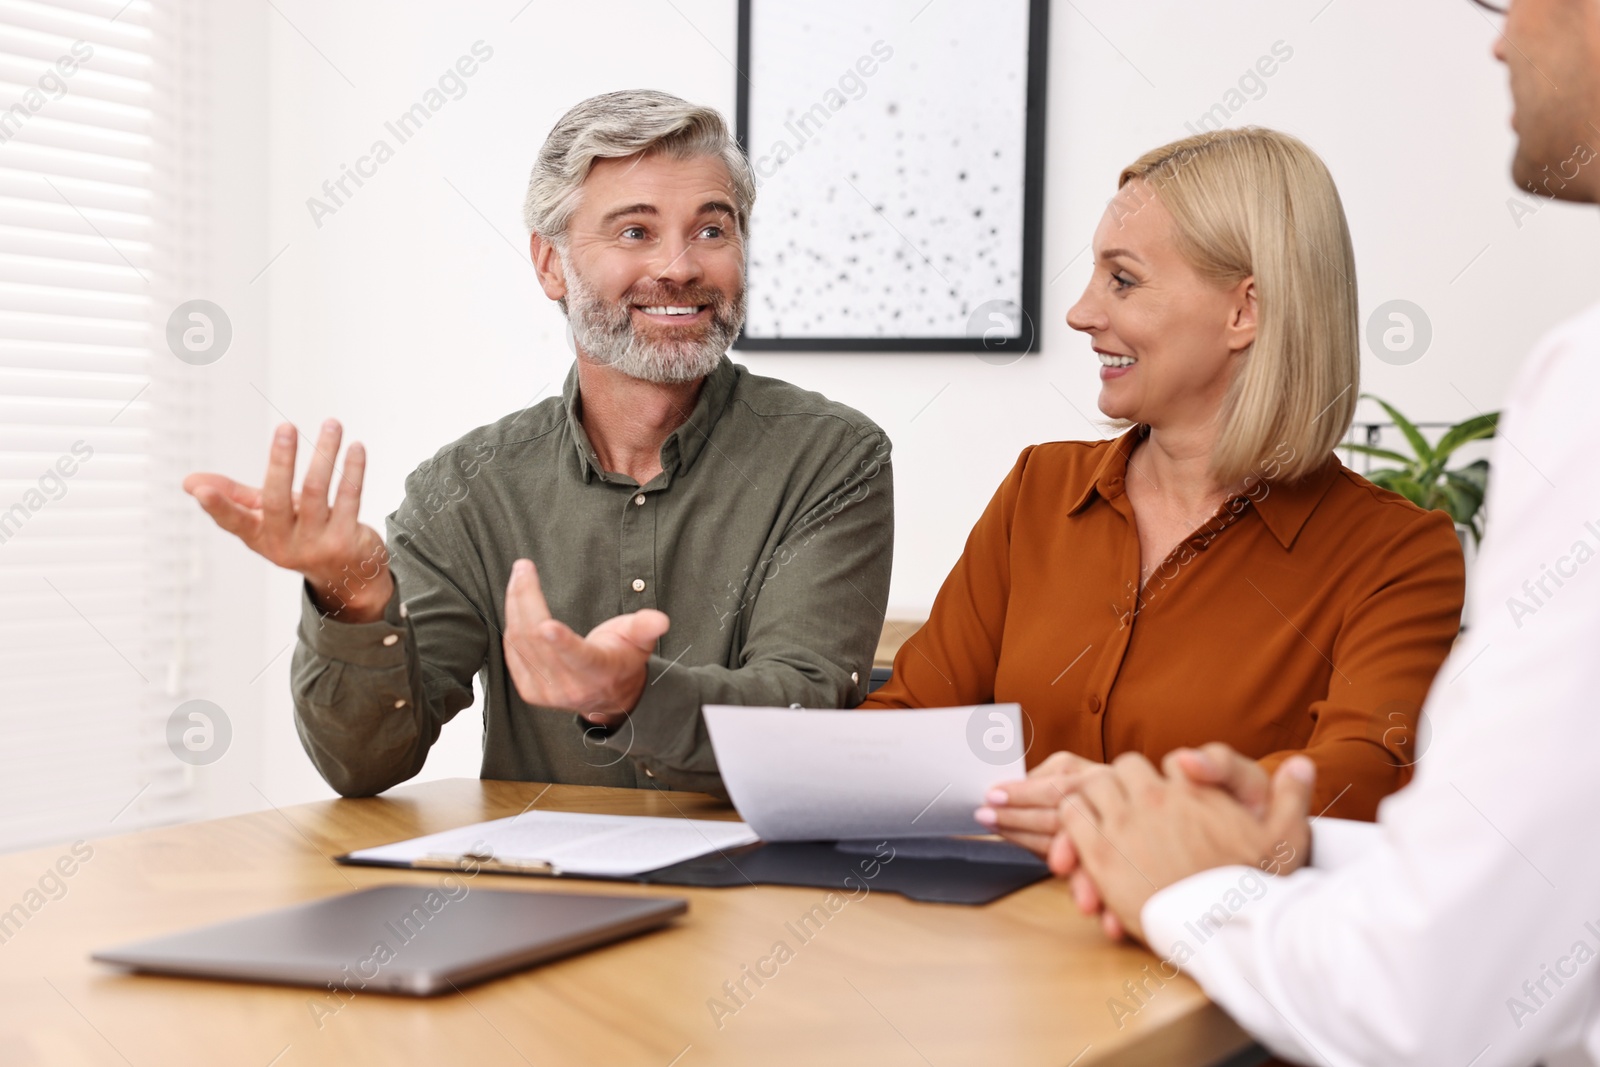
<point>414,939</point>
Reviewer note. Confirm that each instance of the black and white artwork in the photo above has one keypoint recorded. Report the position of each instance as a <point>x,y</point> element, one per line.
<point>898,154</point>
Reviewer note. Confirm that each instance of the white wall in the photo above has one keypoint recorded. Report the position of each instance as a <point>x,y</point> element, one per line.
<point>412,313</point>
<point>231,117</point>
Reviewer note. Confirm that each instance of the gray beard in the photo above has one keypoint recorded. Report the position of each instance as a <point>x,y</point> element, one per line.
<point>604,330</point>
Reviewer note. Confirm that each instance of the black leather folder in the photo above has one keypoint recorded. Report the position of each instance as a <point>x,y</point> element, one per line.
<point>938,870</point>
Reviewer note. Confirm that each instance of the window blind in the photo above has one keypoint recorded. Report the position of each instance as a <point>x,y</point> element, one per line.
<point>97,416</point>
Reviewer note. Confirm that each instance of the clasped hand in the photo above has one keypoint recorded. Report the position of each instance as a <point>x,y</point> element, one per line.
<point>1120,832</point>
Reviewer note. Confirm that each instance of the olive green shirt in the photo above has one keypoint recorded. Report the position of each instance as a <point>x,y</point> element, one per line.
<point>766,539</point>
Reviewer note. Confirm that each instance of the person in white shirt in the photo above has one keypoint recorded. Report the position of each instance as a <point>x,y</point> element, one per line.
<point>1463,927</point>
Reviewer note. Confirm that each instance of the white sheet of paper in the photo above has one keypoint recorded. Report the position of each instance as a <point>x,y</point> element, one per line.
<point>802,775</point>
<point>576,843</point>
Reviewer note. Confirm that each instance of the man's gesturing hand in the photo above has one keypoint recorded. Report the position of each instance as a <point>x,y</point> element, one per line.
<point>346,562</point>
<point>599,676</point>
<point>1136,831</point>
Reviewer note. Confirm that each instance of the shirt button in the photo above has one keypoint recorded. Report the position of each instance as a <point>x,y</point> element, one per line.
<point>855,676</point>
<point>638,585</point>
<point>1094,705</point>
<point>648,773</point>
<point>404,614</point>
<point>399,703</point>
<point>638,498</point>
<point>392,639</point>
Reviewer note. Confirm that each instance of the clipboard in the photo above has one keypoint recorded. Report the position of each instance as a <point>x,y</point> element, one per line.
<point>958,870</point>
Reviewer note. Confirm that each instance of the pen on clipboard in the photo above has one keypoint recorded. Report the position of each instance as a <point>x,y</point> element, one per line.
<point>485,861</point>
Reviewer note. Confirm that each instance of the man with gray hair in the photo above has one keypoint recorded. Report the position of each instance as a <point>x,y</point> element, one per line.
<point>672,531</point>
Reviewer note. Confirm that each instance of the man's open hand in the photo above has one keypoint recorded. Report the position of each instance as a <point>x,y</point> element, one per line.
<point>345,561</point>
<point>599,676</point>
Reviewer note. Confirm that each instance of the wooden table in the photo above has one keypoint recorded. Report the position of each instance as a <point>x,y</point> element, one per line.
<point>885,982</point>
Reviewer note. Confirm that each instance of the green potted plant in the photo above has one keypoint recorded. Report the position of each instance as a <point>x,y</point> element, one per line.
<point>1423,477</point>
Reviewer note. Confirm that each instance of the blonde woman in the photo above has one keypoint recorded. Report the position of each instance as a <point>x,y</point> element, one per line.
<point>1214,573</point>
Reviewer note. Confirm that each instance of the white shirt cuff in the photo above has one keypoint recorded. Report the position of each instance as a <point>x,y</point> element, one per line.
<point>1174,919</point>
<point>1338,842</point>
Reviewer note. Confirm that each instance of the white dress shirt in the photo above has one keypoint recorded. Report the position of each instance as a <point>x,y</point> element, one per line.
<point>1463,928</point>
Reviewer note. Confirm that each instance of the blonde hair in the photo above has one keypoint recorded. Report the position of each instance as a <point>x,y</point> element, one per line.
<point>622,124</point>
<point>1254,201</point>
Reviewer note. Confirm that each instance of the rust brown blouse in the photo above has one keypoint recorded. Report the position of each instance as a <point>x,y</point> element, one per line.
<point>1301,618</point>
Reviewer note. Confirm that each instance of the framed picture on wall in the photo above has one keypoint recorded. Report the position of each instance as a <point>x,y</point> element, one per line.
<point>898,150</point>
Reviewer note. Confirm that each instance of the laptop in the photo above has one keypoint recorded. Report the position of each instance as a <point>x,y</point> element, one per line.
<point>419,940</point>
